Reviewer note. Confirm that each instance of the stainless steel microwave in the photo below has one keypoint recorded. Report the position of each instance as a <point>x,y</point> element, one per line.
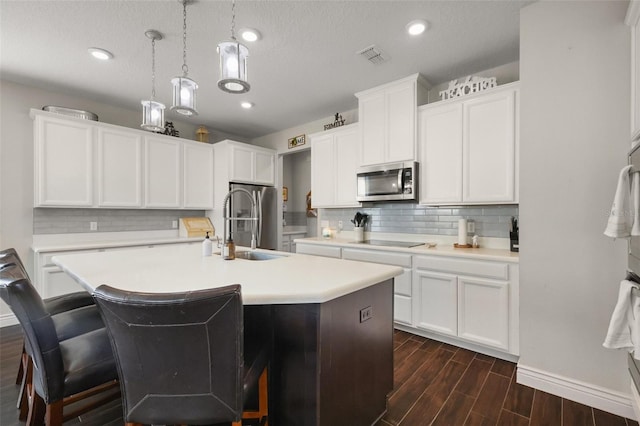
<point>388,182</point>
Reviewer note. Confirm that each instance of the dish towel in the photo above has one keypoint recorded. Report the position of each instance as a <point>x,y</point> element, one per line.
<point>635,203</point>
<point>624,327</point>
<point>621,217</point>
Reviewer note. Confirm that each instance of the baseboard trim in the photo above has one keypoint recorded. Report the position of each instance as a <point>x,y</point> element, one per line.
<point>8,319</point>
<point>585,393</point>
<point>457,342</point>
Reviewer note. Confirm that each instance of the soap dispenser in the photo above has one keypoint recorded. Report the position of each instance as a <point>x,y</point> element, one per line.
<point>229,250</point>
<point>207,246</point>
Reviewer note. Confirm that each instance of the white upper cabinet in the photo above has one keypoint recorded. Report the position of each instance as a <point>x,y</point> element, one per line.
<point>469,149</point>
<point>162,172</point>
<point>63,154</point>
<point>387,116</point>
<point>245,163</point>
<point>80,163</point>
<point>119,168</point>
<point>334,161</point>
<point>198,176</point>
<point>441,154</point>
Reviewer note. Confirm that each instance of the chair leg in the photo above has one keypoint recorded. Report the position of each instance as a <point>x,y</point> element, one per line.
<point>25,360</point>
<point>263,405</point>
<point>21,367</point>
<point>37,408</point>
<point>262,413</point>
<point>23,397</point>
<point>53,415</point>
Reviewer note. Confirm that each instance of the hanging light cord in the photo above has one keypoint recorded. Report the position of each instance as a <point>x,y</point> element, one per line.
<point>153,69</point>
<point>185,68</point>
<point>233,20</point>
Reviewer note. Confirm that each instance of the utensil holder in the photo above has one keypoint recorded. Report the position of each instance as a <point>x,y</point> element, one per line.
<point>358,234</point>
<point>514,239</point>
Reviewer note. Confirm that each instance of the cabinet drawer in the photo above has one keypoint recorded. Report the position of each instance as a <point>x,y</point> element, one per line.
<point>402,309</point>
<point>480,268</point>
<point>402,283</point>
<point>387,258</point>
<point>46,257</point>
<point>316,250</point>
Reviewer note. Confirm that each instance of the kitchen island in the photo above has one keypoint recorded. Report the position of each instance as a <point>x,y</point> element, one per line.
<point>331,320</point>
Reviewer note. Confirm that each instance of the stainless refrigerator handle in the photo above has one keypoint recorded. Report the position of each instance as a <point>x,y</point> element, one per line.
<point>259,193</point>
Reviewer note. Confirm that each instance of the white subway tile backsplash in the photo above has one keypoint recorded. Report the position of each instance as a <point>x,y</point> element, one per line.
<point>69,221</point>
<point>490,221</point>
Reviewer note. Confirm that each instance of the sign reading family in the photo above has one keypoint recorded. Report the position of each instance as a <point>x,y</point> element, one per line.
<point>339,121</point>
<point>469,85</point>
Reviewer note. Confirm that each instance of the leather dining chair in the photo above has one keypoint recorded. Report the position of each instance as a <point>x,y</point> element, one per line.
<point>64,372</point>
<point>181,357</point>
<point>73,314</point>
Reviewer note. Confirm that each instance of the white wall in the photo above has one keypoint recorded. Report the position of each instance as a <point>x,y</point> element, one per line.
<point>297,178</point>
<point>575,86</point>
<point>279,140</point>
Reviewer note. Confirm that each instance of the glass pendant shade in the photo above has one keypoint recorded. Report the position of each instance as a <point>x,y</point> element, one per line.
<point>184,96</point>
<point>233,67</point>
<point>152,116</point>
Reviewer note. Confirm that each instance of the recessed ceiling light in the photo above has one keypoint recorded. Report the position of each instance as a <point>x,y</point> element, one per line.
<point>247,105</point>
<point>250,34</point>
<point>417,27</point>
<point>103,55</point>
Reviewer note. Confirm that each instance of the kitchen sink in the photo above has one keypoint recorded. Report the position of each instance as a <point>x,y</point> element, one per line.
<point>257,255</point>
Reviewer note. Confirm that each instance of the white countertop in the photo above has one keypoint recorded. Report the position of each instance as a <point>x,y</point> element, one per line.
<point>86,241</point>
<point>293,278</point>
<point>441,249</point>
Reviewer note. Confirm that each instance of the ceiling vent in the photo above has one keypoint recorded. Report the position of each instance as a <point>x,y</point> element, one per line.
<point>373,54</point>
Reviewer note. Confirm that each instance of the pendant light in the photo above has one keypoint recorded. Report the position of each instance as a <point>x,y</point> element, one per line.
<point>233,61</point>
<point>184,89</point>
<point>152,111</point>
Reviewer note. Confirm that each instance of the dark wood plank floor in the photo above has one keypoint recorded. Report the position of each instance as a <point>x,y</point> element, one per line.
<point>439,384</point>
<point>434,384</point>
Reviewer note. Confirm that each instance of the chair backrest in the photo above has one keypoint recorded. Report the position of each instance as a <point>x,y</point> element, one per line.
<point>179,355</point>
<point>40,334</point>
<point>10,255</point>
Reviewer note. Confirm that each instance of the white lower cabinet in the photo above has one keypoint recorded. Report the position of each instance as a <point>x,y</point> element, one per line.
<point>51,280</point>
<point>317,250</point>
<point>402,309</point>
<point>483,311</point>
<point>466,301</point>
<point>288,241</point>
<point>436,300</point>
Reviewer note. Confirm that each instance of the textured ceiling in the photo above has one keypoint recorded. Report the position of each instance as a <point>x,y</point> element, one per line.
<point>304,68</point>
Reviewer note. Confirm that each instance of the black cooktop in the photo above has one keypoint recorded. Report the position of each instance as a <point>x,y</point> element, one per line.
<point>406,244</point>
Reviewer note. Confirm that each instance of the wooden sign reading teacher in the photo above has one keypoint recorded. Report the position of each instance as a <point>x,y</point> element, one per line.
<point>468,86</point>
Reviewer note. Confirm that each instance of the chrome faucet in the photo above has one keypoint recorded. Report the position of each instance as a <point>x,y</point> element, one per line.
<point>229,217</point>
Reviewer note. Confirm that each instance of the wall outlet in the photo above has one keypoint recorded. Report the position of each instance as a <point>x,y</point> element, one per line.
<point>324,223</point>
<point>366,313</point>
<point>174,224</point>
<point>93,226</point>
<point>471,227</point>
<point>340,225</point>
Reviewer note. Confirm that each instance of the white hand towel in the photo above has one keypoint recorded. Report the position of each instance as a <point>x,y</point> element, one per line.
<point>635,203</point>
<point>621,217</point>
<point>624,327</point>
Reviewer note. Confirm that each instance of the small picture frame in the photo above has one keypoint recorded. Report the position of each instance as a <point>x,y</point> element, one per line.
<point>285,193</point>
<point>297,141</point>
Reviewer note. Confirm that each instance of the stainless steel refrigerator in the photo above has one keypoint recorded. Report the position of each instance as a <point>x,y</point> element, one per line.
<point>240,206</point>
